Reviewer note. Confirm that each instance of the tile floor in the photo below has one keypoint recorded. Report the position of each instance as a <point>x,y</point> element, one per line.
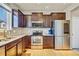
<point>50,52</point>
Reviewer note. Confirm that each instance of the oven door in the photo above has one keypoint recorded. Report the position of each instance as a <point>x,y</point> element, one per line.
<point>36,40</point>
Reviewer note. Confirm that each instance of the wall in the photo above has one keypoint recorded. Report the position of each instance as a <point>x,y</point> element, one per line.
<point>75,12</point>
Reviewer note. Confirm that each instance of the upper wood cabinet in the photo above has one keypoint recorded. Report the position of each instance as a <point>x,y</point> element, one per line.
<point>58,16</point>
<point>67,27</point>
<point>37,16</point>
<point>21,19</point>
<point>47,20</point>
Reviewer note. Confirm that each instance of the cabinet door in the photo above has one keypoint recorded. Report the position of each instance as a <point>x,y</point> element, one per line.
<point>2,51</point>
<point>58,16</point>
<point>24,44</point>
<point>21,19</point>
<point>47,42</point>
<point>36,16</point>
<point>11,51</point>
<point>19,48</point>
<point>27,42</point>
<point>47,20</point>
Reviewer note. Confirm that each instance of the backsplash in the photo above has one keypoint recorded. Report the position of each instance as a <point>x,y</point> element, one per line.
<point>45,31</point>
<point>16,32</point>
<point>27,31</point>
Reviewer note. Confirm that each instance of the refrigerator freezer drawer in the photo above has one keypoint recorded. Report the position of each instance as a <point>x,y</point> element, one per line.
<point>59,42</point>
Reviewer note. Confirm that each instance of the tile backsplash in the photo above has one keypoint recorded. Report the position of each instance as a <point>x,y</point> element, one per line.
<point>16,32</point>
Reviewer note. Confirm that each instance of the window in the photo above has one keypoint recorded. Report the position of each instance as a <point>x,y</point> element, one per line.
<point>3,14</point>
<point>15,18</point>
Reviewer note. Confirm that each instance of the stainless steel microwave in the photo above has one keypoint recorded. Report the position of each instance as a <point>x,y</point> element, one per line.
<point>37,23</point>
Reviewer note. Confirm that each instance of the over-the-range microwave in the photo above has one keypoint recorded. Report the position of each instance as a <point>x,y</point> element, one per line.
<point>37,23</point>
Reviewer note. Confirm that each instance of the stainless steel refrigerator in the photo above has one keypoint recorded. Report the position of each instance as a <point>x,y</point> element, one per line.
<point>61,39</point>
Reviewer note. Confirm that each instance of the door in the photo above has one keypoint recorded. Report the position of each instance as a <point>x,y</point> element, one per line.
<point>75,32</point>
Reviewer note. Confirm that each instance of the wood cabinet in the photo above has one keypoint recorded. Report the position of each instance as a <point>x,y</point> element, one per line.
<point>16,47</point>
<point>28,42</point>
<point>24,43</point>
<point>11,48</point>
<point>58,16</point>
<point>67,27</point>
<point>37,16</point>
<point>19,48</point>
<point>47,42</point>
<point>47,20</point>
<point>21,19</point>
<point>11,51</point>
<point>2,51</point>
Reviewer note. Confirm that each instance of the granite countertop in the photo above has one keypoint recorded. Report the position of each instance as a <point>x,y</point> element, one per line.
<point>12,39</point>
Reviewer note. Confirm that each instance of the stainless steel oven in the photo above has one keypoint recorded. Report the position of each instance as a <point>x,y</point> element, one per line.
<point>37,39</point>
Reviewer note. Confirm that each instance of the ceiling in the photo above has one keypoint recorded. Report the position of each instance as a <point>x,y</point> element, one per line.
<point>43,6</point>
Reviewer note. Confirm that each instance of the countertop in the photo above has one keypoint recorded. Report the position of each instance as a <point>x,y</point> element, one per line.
<point>12,39</point>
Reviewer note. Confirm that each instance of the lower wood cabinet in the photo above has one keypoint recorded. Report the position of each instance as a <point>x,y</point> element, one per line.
<point>27,42</point>
<point>19,48</point>
<point>48,42</point>
<point>24,44</point>
<point>11,51</point>
<point>2,51</point>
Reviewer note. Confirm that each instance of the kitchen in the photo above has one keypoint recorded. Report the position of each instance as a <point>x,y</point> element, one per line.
<point>26,28</point>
